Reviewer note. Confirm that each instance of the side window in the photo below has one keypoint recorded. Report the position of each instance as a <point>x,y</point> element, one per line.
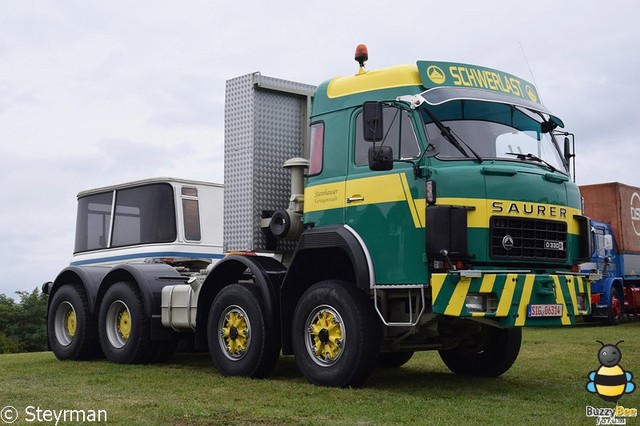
<point>398,134</point>
<point>599,234</point>
<point>144,214</point>
<point>317,148</point>
<point>191,213</point>
<point>93,222</point>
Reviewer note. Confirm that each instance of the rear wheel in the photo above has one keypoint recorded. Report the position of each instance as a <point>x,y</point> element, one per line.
<point>489,353</point>
<point>335,334</point>
<point>70,325</point>
<point>123,327</point>
<point>240,342</point>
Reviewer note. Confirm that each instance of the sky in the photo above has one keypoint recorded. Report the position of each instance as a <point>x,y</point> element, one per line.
<point>94,93</point>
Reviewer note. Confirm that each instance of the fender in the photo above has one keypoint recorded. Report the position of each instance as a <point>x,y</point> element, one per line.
<point>267,272</point>
<point>88,277</point>
<point>150,278</point>
<point>343,238</point>
<point>609,283</point>
<point>332,252</point>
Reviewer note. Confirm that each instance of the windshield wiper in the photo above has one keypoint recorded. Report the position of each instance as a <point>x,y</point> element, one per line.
<point>450,136</point>
<point>531,157</point>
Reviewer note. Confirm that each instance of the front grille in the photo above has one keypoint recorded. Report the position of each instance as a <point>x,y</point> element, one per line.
<point>519,238</point>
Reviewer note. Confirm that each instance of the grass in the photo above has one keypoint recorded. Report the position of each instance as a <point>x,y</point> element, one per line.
<point>545,386</point>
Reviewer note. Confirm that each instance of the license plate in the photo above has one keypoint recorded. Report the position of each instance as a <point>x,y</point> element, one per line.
<point>544,311</point>
<point>553,245</point>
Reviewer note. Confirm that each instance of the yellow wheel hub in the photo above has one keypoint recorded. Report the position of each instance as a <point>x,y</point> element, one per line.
<point>124,324</point>
<point>70,323</point>
<point>326,336</point>
<point>235,333</point>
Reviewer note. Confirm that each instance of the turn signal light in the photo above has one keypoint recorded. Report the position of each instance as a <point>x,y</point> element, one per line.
<point>431,192</point>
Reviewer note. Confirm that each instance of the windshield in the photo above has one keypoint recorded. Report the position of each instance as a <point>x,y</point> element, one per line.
<point>492,130</point>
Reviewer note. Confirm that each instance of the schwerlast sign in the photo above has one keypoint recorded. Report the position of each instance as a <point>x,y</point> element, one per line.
<point>454,74</point>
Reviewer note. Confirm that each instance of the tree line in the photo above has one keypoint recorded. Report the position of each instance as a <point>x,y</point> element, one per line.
<point>23,326</point>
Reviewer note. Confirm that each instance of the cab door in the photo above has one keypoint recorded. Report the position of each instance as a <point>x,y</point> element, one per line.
<point>387,208</point>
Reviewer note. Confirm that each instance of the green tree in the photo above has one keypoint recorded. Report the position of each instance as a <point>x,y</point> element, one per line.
<point>23,325</point>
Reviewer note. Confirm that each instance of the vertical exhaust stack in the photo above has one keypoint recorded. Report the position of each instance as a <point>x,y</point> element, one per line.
<point>266,124</point>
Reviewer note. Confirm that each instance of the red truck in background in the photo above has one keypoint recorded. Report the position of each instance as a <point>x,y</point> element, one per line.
<point>615,228</point>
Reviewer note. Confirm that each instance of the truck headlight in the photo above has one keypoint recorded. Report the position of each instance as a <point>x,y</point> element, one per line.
<point>581,299</point>
<point>476,302</point>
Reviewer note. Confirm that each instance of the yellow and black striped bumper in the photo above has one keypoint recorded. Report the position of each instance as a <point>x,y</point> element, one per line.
<point>516,299</point>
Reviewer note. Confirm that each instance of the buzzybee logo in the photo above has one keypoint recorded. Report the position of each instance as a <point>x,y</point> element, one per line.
<point>610,382</point>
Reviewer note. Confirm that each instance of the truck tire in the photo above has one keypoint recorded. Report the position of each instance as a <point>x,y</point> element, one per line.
<point>240,343</point>
<point>490,354</point>
<point>394,359</point>
<point>615,308</point>
<point>335,334</point>
<point>70,326</point>
<point>123,327</point>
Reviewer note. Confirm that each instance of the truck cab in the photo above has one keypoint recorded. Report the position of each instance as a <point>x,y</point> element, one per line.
<point>161,220</point>
<point>616,296</point>
<point>416,207</point>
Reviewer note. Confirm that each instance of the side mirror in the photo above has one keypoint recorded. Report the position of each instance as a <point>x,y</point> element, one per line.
<point>380,158</point>
<point>568,155</point>
<point>372,121</point>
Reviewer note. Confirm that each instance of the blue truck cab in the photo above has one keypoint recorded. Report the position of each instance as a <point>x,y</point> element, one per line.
<point>616,296</point>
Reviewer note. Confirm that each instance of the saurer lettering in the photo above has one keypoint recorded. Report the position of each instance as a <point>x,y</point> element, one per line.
<point>529,209</point>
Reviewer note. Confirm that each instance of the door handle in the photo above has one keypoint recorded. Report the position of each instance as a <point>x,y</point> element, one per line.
<point>355,198</point>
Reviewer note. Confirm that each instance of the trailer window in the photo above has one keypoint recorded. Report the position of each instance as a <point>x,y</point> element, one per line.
<point>144,215</point>
<point>191,214</point>
<point>93,222</point>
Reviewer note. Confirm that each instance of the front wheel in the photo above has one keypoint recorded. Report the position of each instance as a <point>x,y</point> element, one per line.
<point>240,342</point>
<point>335,334</point>
<point>489,353</point>
<point>123,327</point>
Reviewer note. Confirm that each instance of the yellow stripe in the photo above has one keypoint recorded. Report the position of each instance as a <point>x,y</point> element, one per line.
<point>395,187</point>
<point>437,281</point>
<point>507,296</point>
<point>412,205</point>
<point>484,209</point>
<point>454,308</point>
<point>524,299</point>
<point>386,78</point>
<point>615,390</point>
<point>560,299</point>
<point>487,283</point>
<point>324,197</point>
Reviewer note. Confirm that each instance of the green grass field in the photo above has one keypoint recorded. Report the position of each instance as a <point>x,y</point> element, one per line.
<point>545,386</point>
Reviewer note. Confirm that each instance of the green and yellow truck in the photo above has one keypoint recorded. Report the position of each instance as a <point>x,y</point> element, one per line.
<point>418,207</point>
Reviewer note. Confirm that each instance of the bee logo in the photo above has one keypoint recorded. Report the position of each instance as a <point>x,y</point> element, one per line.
<point>610,381</point>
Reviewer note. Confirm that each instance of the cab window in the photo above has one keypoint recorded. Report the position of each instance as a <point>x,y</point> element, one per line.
<point>398,134</point>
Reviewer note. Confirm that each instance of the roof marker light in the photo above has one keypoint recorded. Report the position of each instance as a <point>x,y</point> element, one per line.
<point>361,56</point>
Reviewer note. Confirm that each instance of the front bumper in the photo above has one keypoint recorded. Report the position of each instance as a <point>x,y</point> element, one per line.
<point>512,299</point>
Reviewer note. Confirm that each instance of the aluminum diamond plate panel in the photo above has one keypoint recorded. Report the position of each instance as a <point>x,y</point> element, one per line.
<point>265,120</point>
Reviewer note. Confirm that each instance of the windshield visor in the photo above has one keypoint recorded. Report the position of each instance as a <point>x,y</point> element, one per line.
<point>492,130</point>
<point>440,95</point>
